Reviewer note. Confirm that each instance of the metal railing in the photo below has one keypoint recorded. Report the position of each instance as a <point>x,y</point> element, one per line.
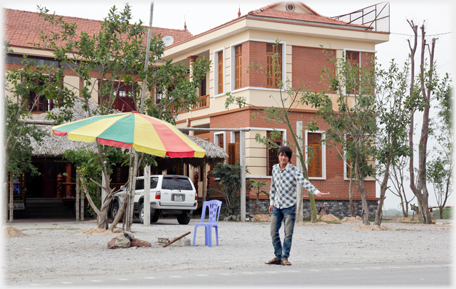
<point>376,17</point>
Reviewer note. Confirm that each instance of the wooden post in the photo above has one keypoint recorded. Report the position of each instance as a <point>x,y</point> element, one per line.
<point>243,177</point>
<point>299,215</point>
<point>146,196</point>
<point>68,180</point>
<point>82,205</point>
<point>11,198</point>
<point>77,195</point>
<point>204,174</point>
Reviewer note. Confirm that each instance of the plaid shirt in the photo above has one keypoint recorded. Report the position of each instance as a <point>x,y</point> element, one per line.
<point>283,186</point>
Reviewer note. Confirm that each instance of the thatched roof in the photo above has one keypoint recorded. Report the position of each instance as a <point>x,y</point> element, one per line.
<point>55,146</point>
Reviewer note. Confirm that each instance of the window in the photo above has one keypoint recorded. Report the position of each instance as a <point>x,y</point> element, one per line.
<point>273,154</point>
<point>122,95</point>
<point>353,59</point>
<point>238,67</point>
<point>273,64</point>
<point>315,165</point>
<point>37,102</point>
<point>234,149</point>
<point>220,73</point>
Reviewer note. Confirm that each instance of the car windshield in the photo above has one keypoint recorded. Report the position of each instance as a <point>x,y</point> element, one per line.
<point>174,183</point>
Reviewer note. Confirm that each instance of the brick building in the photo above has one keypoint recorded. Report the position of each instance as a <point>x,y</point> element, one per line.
<point>305,39</point>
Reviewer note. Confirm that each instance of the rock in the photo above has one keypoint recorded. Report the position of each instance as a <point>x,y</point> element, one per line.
<point>112,243</point>
<point>139,243</point>
<point>122,241</point>
<point>128,235</point>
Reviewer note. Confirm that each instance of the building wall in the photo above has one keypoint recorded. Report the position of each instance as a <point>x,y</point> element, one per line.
<point>256,161</point>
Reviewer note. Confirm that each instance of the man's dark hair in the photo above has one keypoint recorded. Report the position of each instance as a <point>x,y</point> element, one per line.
<point>286,150</point>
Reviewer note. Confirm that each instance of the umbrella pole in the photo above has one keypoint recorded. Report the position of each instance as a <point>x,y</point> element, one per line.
<point>133,171</point>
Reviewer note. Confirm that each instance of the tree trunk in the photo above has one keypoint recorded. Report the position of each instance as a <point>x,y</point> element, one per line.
<point>360,181</point>
<point>351,192</point>
<point>383,187</point>
<point>441,211</point>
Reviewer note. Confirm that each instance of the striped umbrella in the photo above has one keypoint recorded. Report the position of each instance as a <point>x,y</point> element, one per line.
<point>125,130</point>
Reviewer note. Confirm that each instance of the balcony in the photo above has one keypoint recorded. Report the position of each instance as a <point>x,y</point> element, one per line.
<point>203,102</point>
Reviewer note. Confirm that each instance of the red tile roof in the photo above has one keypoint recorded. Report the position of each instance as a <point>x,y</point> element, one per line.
<point>22,27</point>
<point>267,11</point>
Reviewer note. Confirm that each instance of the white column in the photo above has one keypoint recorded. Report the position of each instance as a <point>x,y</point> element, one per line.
<point>146,196</point>
<point>242,162</point>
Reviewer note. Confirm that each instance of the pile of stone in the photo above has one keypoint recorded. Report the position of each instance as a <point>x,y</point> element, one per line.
<point>127,240</point>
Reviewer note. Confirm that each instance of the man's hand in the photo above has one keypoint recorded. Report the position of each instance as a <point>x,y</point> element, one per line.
<point>270,209</point>
<point>320,193</point>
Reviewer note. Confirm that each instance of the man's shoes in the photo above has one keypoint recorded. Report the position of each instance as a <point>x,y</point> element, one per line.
<point>274,261</point>
<point>285,262</point>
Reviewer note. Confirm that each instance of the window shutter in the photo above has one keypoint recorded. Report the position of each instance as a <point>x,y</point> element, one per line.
<point>273,77</point>
<point>315,165</point>
<point>238,67</point>
<point>220,72</point>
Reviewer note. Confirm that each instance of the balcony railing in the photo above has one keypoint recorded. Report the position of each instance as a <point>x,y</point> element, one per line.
<point>202,102</point>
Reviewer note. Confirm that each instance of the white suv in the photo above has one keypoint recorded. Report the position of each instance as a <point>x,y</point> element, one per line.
<point>169,195</point>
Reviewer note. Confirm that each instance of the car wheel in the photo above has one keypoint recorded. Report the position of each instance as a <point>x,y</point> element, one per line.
<point>114,210</point>
<point>154,218</point>
<point>184,218</point>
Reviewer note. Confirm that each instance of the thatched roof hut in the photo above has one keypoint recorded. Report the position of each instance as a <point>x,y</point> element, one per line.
<point>55,146</point>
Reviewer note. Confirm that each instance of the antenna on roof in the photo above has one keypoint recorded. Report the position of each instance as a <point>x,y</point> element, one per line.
<point>185,24</point>
<point>239,12</point>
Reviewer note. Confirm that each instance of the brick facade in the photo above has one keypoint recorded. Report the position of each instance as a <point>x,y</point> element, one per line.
<point>307,66</point>
<point>334,182</point>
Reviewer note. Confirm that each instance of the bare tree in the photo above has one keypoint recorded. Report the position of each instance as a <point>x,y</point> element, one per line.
<point>428,85</point>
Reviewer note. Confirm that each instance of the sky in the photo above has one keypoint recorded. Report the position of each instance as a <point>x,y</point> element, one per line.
<point>202,15</point>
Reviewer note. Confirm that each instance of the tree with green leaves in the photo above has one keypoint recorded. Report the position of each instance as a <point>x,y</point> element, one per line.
<point>393,117</point>
<point>18,135</point>
<point>258,185</point>
<point>229,183</point>
<point>108,61</point>
<point>440,167</point>
<point>352,125</point>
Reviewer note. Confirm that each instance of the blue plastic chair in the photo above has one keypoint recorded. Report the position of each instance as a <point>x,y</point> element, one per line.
<point>214,213</point>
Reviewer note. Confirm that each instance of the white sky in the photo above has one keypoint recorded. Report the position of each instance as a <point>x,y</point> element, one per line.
<point>202,15</point>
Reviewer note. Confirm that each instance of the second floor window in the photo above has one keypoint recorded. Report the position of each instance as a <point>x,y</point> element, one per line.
<point>273,65</point>
<point>238,67</point>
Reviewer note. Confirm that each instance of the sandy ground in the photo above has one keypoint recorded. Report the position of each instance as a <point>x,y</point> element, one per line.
<point>46,250</point>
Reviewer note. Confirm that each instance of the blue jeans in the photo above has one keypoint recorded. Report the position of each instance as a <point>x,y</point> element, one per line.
<point>288,216</point>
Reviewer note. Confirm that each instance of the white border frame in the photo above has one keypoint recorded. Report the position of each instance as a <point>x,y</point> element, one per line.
<point>323,153</point>
<point>217,93</point>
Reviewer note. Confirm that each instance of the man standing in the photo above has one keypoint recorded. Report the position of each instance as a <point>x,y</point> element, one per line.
<point>283,203</point>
